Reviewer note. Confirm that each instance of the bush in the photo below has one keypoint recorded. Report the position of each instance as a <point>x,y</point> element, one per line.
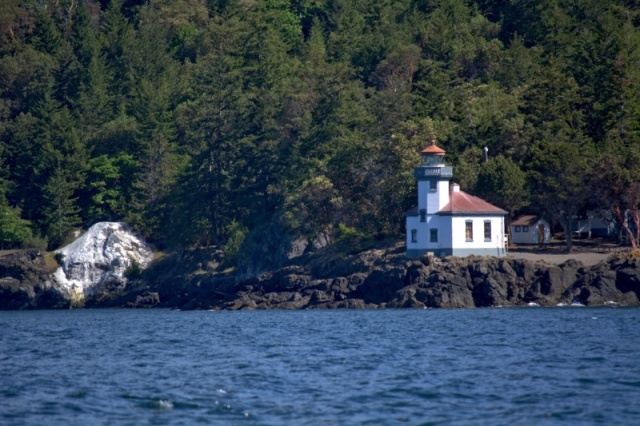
<point>36,242</point>
<point>59,257</point>
<point>347,233</point>
<point>237,233</point>
<point>14,231</point>
<point>134,270</point>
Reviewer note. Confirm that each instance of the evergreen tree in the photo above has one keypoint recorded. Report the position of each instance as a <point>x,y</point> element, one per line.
<point>60,209</point>
<point>503,183</point>
<point>557,177</point>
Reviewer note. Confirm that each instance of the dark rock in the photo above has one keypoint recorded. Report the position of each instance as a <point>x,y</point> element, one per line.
<point>148,299</point>
<point>269,248</point>
<point>628,277</point>
<point>26,283</point>
<point>334,279</point>
<point>381,285</point>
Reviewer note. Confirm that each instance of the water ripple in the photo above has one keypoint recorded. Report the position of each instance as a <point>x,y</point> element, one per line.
<point>459,367</point>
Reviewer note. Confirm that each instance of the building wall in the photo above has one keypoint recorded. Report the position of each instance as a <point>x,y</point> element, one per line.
<point>423,233</point>
<point>423,191</point>
<point>451,236</point>
<point>433,201</point>
<point>494,247</point>
<point>531,236</point>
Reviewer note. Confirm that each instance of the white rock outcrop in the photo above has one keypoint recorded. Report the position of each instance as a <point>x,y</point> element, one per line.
<point>96,262</point>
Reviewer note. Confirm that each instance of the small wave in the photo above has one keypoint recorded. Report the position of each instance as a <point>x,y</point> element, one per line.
<point>532,304</point>
<point>561,304</point>
<point>163,404</point>
<point>153,403</point>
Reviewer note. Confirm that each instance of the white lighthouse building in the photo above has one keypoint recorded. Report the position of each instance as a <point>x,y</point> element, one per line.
<point>448,221</point>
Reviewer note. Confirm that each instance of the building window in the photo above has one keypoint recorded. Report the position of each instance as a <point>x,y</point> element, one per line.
<point>518,228</point>
<point>423,215</point>
<point>487,230</point>
<point>433,186</point>
<point>414,235</point>
<point>525,229</point>
<point>468,230</point>
<point>433,235</point>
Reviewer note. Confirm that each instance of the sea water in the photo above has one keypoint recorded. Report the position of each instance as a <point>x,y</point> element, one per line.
<point>524,366</point>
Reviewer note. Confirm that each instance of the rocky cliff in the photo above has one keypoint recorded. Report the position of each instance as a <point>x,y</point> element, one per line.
<point>94,270</point>
<point>330,278</point>
<point>26,282</point>
<point>385,278</point>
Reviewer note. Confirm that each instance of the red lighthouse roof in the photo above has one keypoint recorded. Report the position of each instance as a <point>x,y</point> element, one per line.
<point>433,149</point>
<point>463,203</point>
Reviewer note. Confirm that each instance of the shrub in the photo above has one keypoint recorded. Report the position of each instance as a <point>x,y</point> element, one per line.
<point>237,233</point>
<point>134,270</point>
<point>347,233</point>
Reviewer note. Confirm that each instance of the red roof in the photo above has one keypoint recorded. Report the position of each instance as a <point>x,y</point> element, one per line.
<point>461,202</point>
<point>433,149</point>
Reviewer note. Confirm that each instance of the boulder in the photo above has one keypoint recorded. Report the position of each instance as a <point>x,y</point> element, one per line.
<point>96,266</point>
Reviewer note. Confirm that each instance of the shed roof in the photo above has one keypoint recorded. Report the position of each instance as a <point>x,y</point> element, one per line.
<point>526,220</point>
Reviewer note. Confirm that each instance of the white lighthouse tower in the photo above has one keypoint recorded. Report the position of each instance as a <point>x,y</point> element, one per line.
<point>448,221</point>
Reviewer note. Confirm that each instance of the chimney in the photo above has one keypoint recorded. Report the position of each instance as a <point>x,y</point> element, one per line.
<point>454,187</point>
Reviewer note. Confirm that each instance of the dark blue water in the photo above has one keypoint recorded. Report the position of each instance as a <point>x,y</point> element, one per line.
<point>526,366</point>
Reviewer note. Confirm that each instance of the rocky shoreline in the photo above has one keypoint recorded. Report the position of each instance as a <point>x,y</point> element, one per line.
<point>385,278</point>
<point>332,279</point>
<point>26,282</point>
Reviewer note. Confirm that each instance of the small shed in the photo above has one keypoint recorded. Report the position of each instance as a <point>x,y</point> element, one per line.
<point>530,229</point>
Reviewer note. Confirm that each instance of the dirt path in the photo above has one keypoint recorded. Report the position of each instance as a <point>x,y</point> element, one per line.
<point>589,252</point>
<point>587,258</point>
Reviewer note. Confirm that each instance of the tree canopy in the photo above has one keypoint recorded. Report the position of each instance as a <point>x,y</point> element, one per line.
<point>198,121</point>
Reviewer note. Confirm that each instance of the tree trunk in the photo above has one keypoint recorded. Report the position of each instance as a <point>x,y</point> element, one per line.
<point>625,227</point>
<point>568,235</point>
<point>635,215</point>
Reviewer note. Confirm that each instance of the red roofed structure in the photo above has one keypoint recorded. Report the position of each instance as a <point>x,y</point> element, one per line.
<point>461,202</point>
<point>433,149</point>
<point>448,221</point>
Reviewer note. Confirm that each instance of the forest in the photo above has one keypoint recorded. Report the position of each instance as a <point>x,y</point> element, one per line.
<point>200,121</point>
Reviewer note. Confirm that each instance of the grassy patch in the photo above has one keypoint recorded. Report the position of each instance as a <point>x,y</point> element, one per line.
<point>51,262</point>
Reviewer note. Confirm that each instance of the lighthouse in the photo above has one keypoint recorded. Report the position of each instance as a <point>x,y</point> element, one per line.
<point>448,221</point>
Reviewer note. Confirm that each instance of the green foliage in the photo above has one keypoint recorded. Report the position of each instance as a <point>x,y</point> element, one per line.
<point>198,119</point>
<point>36,242</point>
<point>14,231</point>
<point>347,234</point>
<point>236,234</point>
<point>558,180</point>
<point>134,270</point>
<point>468,167</point>
<point>109,186</point>
<point>60,211</point>
<point>59,258</point>
<point>314,209</point>
<point>503,183</point>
